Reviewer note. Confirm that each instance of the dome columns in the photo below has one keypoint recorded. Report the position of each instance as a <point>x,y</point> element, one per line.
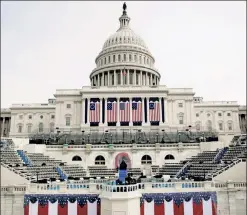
<point>124,77</point>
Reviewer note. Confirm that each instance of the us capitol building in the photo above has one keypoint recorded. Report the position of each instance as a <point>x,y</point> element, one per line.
<point>125,94</point>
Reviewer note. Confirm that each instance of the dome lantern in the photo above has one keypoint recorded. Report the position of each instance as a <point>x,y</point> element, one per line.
<point>124,19</point>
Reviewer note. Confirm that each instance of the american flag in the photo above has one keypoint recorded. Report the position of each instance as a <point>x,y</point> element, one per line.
<point>154,111</point>
<point>124,111</point>
<point>94,112</point>
<point>111,111</point>
<point>137,111</point>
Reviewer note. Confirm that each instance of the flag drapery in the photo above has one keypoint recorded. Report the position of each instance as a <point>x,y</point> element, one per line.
<point>61,205</point>
<point>193,203</point>
<point>137,110</point>
<point>111,110</point>
<point>124,110</point>
<point>154,110</point>
<point>94,111</point>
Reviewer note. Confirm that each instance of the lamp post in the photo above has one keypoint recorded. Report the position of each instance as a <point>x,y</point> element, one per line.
<point>163,135</point>
<point>157,138</point>
<point>111,138</point>
<point>88,138</point>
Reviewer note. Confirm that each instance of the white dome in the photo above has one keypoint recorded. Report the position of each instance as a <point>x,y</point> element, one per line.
<point>125,36</point>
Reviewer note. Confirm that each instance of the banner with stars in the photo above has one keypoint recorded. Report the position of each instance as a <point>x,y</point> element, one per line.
<point>193,203</point>
<point>40,204</point>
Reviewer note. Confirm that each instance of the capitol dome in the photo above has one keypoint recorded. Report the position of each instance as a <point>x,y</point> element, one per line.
<point>124,59</point>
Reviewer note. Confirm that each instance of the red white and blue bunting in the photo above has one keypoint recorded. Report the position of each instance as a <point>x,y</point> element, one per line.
<point>61,204</point>
<point>193,203</point>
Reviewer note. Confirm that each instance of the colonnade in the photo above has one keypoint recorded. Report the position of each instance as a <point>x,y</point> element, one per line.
<point>145,113</point>
<point>124,77</point>
<point>5,126</point>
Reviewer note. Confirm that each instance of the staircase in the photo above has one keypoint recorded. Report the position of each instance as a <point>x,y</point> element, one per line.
<point>61,173</point>
<point>220,155</point>
<point>24,157</point>
<point>182,171</point>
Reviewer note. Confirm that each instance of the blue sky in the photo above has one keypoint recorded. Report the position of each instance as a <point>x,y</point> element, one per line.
<point>53,45</point>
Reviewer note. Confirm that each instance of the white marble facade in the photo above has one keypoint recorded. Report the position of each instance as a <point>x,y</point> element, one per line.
<point>125,69</point>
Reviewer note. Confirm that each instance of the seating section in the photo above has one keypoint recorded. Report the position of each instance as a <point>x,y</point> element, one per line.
<point>74,171</point>
<point>206,164</point>
<point>234,152</point>
<point>170,169</point>
<point>101,171</point>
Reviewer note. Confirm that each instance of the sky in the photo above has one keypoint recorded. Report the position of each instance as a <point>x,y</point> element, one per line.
<point>53,45</point>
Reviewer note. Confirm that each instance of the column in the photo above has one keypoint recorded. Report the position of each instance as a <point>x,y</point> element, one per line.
<point>148,120</point>
<point>108,77</point>
<point>141,78</point>
<point>106,111</point>
<point>3,126</point>
<point>143,111</point>
<point>146,76</point>
<point>83,111</point>
<point>134,78</point>
<point>118,105</point>
<point>121,75</point>
<point>128,77</point>
<point>160,101</point>
<point>98,80</point>
<point>166,110</point>
<point>88,111</point>
<point>102,80</point>
<point>115,78</point>
<point>130,103</point>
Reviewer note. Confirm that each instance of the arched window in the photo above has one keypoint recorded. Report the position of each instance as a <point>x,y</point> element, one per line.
<point>109,59</point>
<point>169,157</point>
<point>140,59</point>
<point>135,58</point>
<point>99,160</point>
<point>43,164</point>
<point>146,159</point>
<point>130,57</point>
<point>124,57</point>
<point>105,60</point>
<point>76,158</point>
<point>114,58</point>
<point>119,58</point>
<point>41,127</point>
<point>181,118</point>
<point>220,124</point>
<point>209,125</point>
<point>20,128</point>
<point>52,127</point>
<point>198,126</point>
<point>229,125</point>
<point>29,128</point>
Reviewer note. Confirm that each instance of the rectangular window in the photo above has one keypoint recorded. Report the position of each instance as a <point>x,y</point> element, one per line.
<point>30,117</point>
<point>19,129</point>
<point>197,115</point>
<point>20,116</point>
<point>230,126</point>
<point>53,116</point>
<point>180,105</point>
<point>68,106</point>
<point>29,129</point>
<point>67,121</point>
<point>220,126</point>
<point>219,114</point>
<point>228,114</point>
<point>181,120</point>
